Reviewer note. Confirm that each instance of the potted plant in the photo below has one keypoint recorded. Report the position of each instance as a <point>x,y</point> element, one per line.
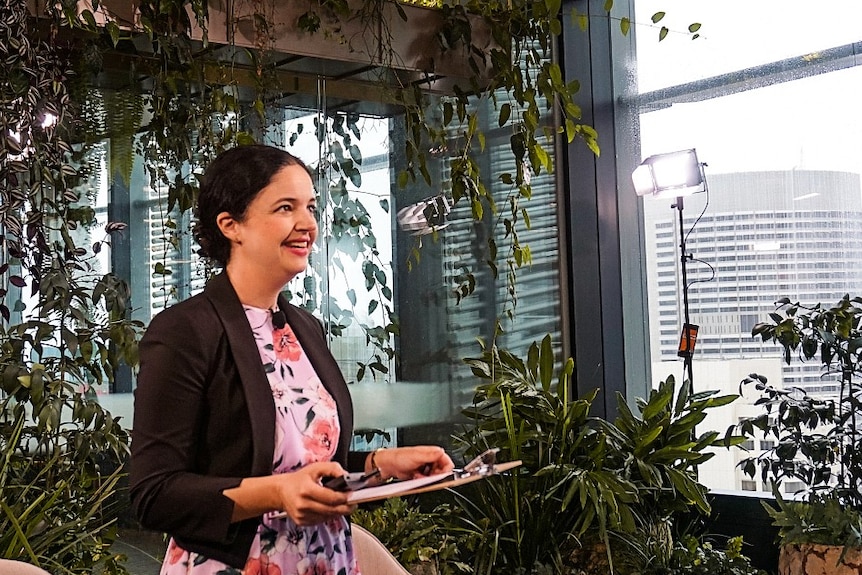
<point>817,439</point>
<point>591,494</point>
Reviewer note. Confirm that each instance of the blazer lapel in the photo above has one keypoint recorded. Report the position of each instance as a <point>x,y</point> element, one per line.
<point>258,395</point>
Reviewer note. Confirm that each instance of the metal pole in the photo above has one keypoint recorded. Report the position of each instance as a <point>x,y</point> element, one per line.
<point>686,326</point>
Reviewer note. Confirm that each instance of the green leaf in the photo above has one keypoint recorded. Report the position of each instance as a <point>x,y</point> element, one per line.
<point>556,74</point>
<point>403,179</point>
<point>544,158</point>
<point>114,32</point>
<point>657,17</point>
<point>245,139</point>
<point>609,4</point>
<point>447,113</point>
<point>546,362</point>
<point>645,440</point>
<point>684,394</point>
<point>70,339</point>
<point>593,145</point>
<point>662,34</point>
<point>89,19</point>
<point>690,489</point>
<point>625,25</point>
<point>583,22</point>
<point>658,402</point>
<point>505,113</point>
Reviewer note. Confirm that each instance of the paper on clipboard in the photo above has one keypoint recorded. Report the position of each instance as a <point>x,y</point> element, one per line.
<point>422,484</point>
<point>426,484</point>
<point>394,488</point>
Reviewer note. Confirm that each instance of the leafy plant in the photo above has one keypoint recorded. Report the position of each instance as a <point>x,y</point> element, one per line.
<point>201,99</point>
<point>64,329</point>
<point>415,536</point>
<point>819,519</point>
<point>644,554</point>
<point>660,448</point>
<point>693,557</point>
<point>818,440</point>
<point>59,488</point>
<point>522,518</point>
<point>583,480</point>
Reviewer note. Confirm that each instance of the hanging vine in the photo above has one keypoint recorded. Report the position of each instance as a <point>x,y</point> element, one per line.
<point>198,108</point>
<point>64,330</point>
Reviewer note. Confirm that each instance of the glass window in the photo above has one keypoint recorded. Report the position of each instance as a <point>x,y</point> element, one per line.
<point>369,267</point>
<point>769,100</point>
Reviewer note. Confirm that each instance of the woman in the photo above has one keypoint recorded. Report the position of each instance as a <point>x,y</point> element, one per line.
<point>240,410</point>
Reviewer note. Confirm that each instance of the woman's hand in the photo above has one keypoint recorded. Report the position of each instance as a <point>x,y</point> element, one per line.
<point>410,462</point>
<point>305,500</point>
<point>299,494</point>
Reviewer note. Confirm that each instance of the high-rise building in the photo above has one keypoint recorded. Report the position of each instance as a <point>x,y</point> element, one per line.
<point>753,238</point>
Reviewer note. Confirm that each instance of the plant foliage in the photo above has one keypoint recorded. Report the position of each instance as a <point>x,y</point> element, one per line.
<point>201,98</point>
<point>692,557</point>
<point>583,479</point>
<point>415,536</point>
<point>64,330</point>
<point>817,440</point>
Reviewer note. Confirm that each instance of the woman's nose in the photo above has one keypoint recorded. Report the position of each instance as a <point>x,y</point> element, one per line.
<point>308,221</point>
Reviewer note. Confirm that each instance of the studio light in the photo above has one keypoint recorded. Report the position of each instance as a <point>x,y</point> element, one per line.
<point>426,216</point>
<point>675,174</point>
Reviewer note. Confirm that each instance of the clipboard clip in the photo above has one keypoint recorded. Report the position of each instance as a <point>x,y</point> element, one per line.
<point>483,464</point>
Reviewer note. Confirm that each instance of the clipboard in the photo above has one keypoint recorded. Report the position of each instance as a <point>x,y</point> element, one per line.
<point>480,467</point>
<point>427,484</point>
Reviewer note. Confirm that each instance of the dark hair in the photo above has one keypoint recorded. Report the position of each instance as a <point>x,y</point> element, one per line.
<point>229,184</point>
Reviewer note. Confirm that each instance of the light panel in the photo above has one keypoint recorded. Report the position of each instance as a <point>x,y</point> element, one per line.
<point>672,174</point>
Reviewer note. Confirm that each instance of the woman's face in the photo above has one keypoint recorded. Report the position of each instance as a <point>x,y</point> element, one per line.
<point>279,228</point>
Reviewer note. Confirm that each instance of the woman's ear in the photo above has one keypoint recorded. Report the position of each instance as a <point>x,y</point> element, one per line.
<point>228,226</point>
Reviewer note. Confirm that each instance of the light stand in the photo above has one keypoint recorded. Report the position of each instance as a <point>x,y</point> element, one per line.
<point>675,174</point>
<point>689,330</point>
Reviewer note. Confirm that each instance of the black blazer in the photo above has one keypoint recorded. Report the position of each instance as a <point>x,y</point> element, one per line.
<point>204,418</point>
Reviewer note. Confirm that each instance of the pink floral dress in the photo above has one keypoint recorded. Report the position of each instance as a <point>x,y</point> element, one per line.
<point>306,431</point>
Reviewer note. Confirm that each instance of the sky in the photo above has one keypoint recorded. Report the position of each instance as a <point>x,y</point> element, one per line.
<point>812,123</point>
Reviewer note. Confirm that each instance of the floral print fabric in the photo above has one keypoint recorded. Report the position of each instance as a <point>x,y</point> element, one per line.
<point>307,430</point>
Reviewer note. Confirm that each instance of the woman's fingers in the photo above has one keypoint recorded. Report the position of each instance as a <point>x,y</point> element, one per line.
<point>415,461</point>
<point>306,501</point>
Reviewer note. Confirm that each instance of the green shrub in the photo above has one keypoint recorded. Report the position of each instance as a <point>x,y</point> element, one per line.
<point>415,536</point>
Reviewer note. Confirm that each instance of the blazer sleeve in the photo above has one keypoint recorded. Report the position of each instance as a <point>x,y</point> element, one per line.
<point>175,484</point>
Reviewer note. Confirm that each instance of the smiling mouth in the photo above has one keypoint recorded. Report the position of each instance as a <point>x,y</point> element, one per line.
<point>302,245</point>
